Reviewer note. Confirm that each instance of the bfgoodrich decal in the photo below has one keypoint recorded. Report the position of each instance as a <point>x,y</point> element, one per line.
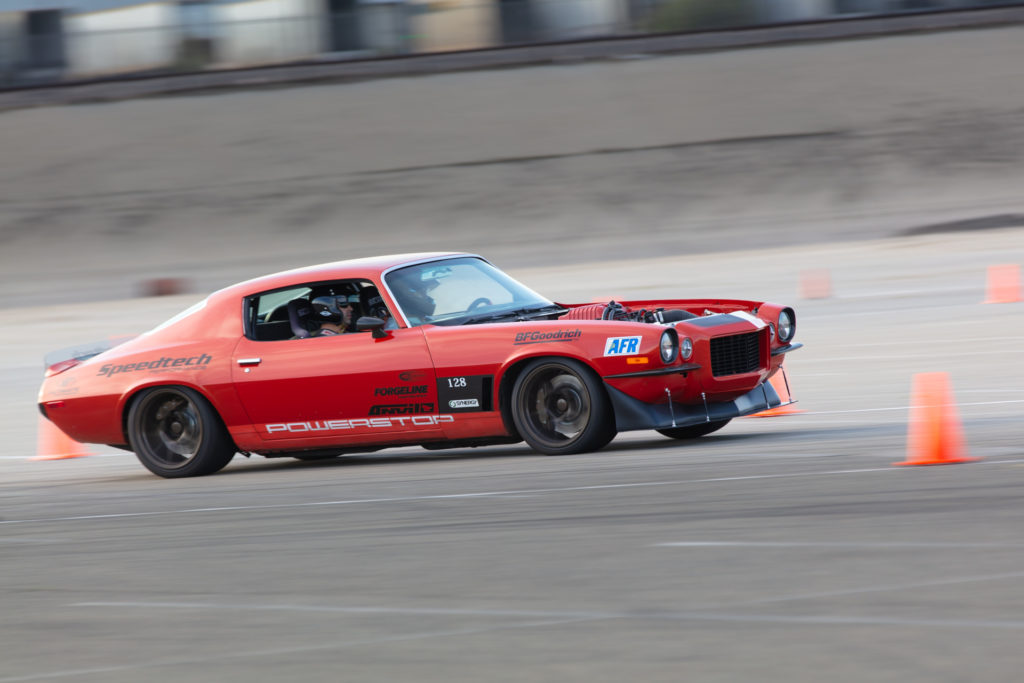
<point>540,336</point>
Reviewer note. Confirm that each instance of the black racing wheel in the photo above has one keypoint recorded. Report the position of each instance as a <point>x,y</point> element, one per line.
<point>175,432</point>
<point>694,431</point>
<point>559,407</point>
<point>477,303</point>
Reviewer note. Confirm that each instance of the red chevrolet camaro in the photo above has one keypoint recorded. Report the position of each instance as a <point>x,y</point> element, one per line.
<point>439,350</point>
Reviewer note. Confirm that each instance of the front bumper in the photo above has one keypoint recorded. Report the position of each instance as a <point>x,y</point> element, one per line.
<point>631,414</point>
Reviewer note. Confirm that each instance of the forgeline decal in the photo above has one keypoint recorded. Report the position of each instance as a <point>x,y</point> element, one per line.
<point>164,363</point>
<point>464,403</point>
<point>622,346</point>
<point>373,423</point>
<point>402,409</point>
<point>417,390</point>
<point>539,336</point>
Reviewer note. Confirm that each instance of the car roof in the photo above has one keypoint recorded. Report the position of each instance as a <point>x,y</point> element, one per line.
<point>371,267</point>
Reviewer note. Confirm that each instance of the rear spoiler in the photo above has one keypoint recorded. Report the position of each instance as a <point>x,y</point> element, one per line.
<point>80,352</point>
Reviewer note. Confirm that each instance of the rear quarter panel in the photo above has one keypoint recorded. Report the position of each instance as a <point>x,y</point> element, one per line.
<point>89,402</point>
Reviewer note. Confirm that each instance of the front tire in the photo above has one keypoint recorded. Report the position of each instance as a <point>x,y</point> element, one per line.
<point>560,407</point>
<point>694,431</point>
<point>175,433</point>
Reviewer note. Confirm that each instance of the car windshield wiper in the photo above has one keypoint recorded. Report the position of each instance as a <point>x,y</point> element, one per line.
<point>526,313</point>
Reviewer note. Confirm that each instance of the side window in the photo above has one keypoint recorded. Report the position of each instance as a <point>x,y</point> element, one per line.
<point>311,310</point>
<point>267,313</point>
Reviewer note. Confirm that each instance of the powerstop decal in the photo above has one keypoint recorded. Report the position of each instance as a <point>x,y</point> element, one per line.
<point>319,426</point>
<point>185,363</point>
<point>540,336</point>
<point>464,393</point>
<point>622,346</point>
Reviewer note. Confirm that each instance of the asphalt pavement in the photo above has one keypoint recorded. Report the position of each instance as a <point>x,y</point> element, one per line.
<point>778,549</point>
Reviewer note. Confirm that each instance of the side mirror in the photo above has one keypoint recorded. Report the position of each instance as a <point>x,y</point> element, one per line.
<point>375,325</point>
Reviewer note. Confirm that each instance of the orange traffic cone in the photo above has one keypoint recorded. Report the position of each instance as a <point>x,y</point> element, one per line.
<point>780,383</point>
<point>935,435</point>
<point>1003,285</point>
<point>815,284</point>
<point>54,444</point>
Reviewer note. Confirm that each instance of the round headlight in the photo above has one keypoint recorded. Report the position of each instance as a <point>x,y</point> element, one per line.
<point>787,325</point>
<point>686,348</point>
<point>669,345</point>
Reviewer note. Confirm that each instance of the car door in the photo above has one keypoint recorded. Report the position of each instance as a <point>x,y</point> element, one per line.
<point>343,389</point>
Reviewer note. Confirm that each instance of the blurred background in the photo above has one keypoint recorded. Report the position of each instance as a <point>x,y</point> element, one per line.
<point>46,40</point>
<point>861,160</point>
<point>184,166</point>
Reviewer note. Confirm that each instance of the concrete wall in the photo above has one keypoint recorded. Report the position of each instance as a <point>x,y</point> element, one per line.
<point>453,25</point>
<point>10,44</point>
<point>128,39</point>
<point>566,19</point>
<point>264,31</point>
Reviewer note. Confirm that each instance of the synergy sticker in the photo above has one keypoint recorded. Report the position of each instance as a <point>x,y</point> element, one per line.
<point>464,403</point>
<point>622,346</point>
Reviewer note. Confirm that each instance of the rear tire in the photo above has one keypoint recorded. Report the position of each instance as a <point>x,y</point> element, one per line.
<point>175,432</point>
<point>694,431</point>
<point>560,407</point>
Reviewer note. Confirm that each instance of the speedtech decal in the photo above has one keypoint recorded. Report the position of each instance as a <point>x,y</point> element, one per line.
<point>163,363</point>
<point>540,336</point>
<point>622,346</point>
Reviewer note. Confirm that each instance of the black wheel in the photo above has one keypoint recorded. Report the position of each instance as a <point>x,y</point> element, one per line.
<point>477,303</point>
<point>693,431</point>
<point>559,407</point>
<point>175,432</point>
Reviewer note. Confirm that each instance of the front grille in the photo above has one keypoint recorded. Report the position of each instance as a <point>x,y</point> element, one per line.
<point>736,354</point>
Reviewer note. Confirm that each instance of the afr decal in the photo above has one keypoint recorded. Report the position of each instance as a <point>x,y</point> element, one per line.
<point>622,346</point>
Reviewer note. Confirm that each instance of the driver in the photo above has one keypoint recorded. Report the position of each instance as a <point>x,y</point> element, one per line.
<point>411,292</point>
<point>332,313</point>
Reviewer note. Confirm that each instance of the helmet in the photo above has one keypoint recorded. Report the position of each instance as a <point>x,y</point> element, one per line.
<point>411,293</point>
<point>326,310</point>
<point>372,303</point>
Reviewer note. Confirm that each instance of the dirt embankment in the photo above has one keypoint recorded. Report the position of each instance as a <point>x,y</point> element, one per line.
<point>595,161</point>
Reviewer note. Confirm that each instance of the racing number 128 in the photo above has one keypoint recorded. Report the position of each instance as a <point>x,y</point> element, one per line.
<point>454,382</point>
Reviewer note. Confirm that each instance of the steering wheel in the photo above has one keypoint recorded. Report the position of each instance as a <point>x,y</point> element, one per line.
<point>477,303</point>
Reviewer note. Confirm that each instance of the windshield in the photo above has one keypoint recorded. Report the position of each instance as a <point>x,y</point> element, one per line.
<point>460,291</point>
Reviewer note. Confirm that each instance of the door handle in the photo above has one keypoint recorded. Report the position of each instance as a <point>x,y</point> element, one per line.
<point>249,361</point>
